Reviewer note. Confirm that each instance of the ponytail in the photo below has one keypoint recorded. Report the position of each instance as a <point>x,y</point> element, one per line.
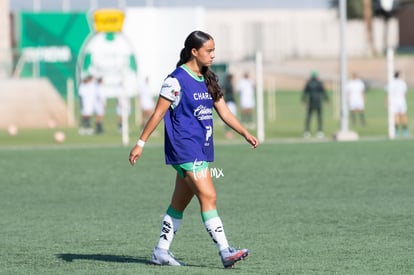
<point>185,56</point>
<point>213,86</point>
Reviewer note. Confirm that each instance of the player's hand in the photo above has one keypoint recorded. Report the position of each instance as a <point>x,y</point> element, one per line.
<point>252,140</point>
<point>135,154</point>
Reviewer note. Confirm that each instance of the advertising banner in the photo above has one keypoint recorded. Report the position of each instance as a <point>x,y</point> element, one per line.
<point>49,45</point>
<point>108,55</point>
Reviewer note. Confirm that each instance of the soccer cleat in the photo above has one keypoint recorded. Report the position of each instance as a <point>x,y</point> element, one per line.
<point>320,134</point>
<point>230,256</point>
<point>164,257</point>
<point>85,131</point>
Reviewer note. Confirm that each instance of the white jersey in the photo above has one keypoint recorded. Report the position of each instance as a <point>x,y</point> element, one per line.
<point>146,100</point>
<point>355,91</point>
<point>92,100</point>
<point>246,89</point>
<point>123,103</point>
<point>397,92</point>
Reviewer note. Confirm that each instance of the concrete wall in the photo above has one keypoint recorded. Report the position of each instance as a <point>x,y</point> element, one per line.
<point>32,103</point>
<point>282,34</point>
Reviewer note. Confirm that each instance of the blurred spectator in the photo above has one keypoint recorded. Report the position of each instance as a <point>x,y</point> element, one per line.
<point>92,103</point>
<point>146,101</point>
<point>247,100</point>
<point>86,92</point>
<point>397,96</point>
<point>313,95</point>
<point>123,102</point>
<point>230,101</point>
<point>100,105</point>
<point>355,90</point>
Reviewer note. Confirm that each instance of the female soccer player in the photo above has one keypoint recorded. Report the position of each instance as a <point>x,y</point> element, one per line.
<point>187,98</point>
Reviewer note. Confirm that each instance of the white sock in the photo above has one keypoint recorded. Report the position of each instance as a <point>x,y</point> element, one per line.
<point>215,228</point>
<point>169,227</point>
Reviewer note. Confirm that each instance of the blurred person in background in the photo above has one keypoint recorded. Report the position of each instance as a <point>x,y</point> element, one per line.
<point>313,96</point>
<point>398,96</point>
<point>100,105</point>
<point>122,103</point>
<point>146,101</point>
<point>186,102</point>
<point>92,102</point>
<point>230,101</point>
<point>86,95</point>
<point>245,87</point>
<point>355,90</point>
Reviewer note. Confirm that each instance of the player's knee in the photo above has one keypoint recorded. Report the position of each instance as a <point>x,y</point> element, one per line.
<point>208,198</point>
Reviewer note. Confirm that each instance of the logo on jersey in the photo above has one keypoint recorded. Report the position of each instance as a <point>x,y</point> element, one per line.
<point>203,113</point>
<point>202,96</point>
<point>208,132</point>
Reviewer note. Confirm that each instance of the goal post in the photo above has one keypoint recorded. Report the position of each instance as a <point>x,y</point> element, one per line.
<point>70,101</point>
<point>125,110</point>
<point>259,95</point>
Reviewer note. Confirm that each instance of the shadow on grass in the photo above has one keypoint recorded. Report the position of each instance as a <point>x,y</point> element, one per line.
<point>69,257</point>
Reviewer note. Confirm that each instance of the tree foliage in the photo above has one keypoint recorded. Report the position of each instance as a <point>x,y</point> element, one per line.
<point>355,8</point>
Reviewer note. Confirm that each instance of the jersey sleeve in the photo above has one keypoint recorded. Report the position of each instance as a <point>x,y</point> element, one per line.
<point>170,89</point>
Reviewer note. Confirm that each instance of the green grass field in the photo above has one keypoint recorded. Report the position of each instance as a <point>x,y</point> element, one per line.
<point>288,124</point>
<point>301,208</point>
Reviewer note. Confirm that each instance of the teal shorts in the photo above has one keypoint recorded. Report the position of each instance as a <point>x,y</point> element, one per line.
<point>190,166</point>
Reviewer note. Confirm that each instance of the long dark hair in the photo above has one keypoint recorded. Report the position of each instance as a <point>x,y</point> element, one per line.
<point>196,40</point>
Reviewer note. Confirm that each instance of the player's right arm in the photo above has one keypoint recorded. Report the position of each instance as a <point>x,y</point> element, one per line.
<point>155,119</point>
<point>168,96</point>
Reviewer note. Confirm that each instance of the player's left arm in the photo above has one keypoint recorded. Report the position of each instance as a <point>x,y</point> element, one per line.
<point>231,120</point>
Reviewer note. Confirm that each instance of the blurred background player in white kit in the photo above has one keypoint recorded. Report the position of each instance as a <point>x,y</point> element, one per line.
<point>93,102</point>
<point>100,106</point>
<point>397,95</point>
<point>146,101</point>
<point>122,103</point>
<point>355,89</point>
<point>247,101</point>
